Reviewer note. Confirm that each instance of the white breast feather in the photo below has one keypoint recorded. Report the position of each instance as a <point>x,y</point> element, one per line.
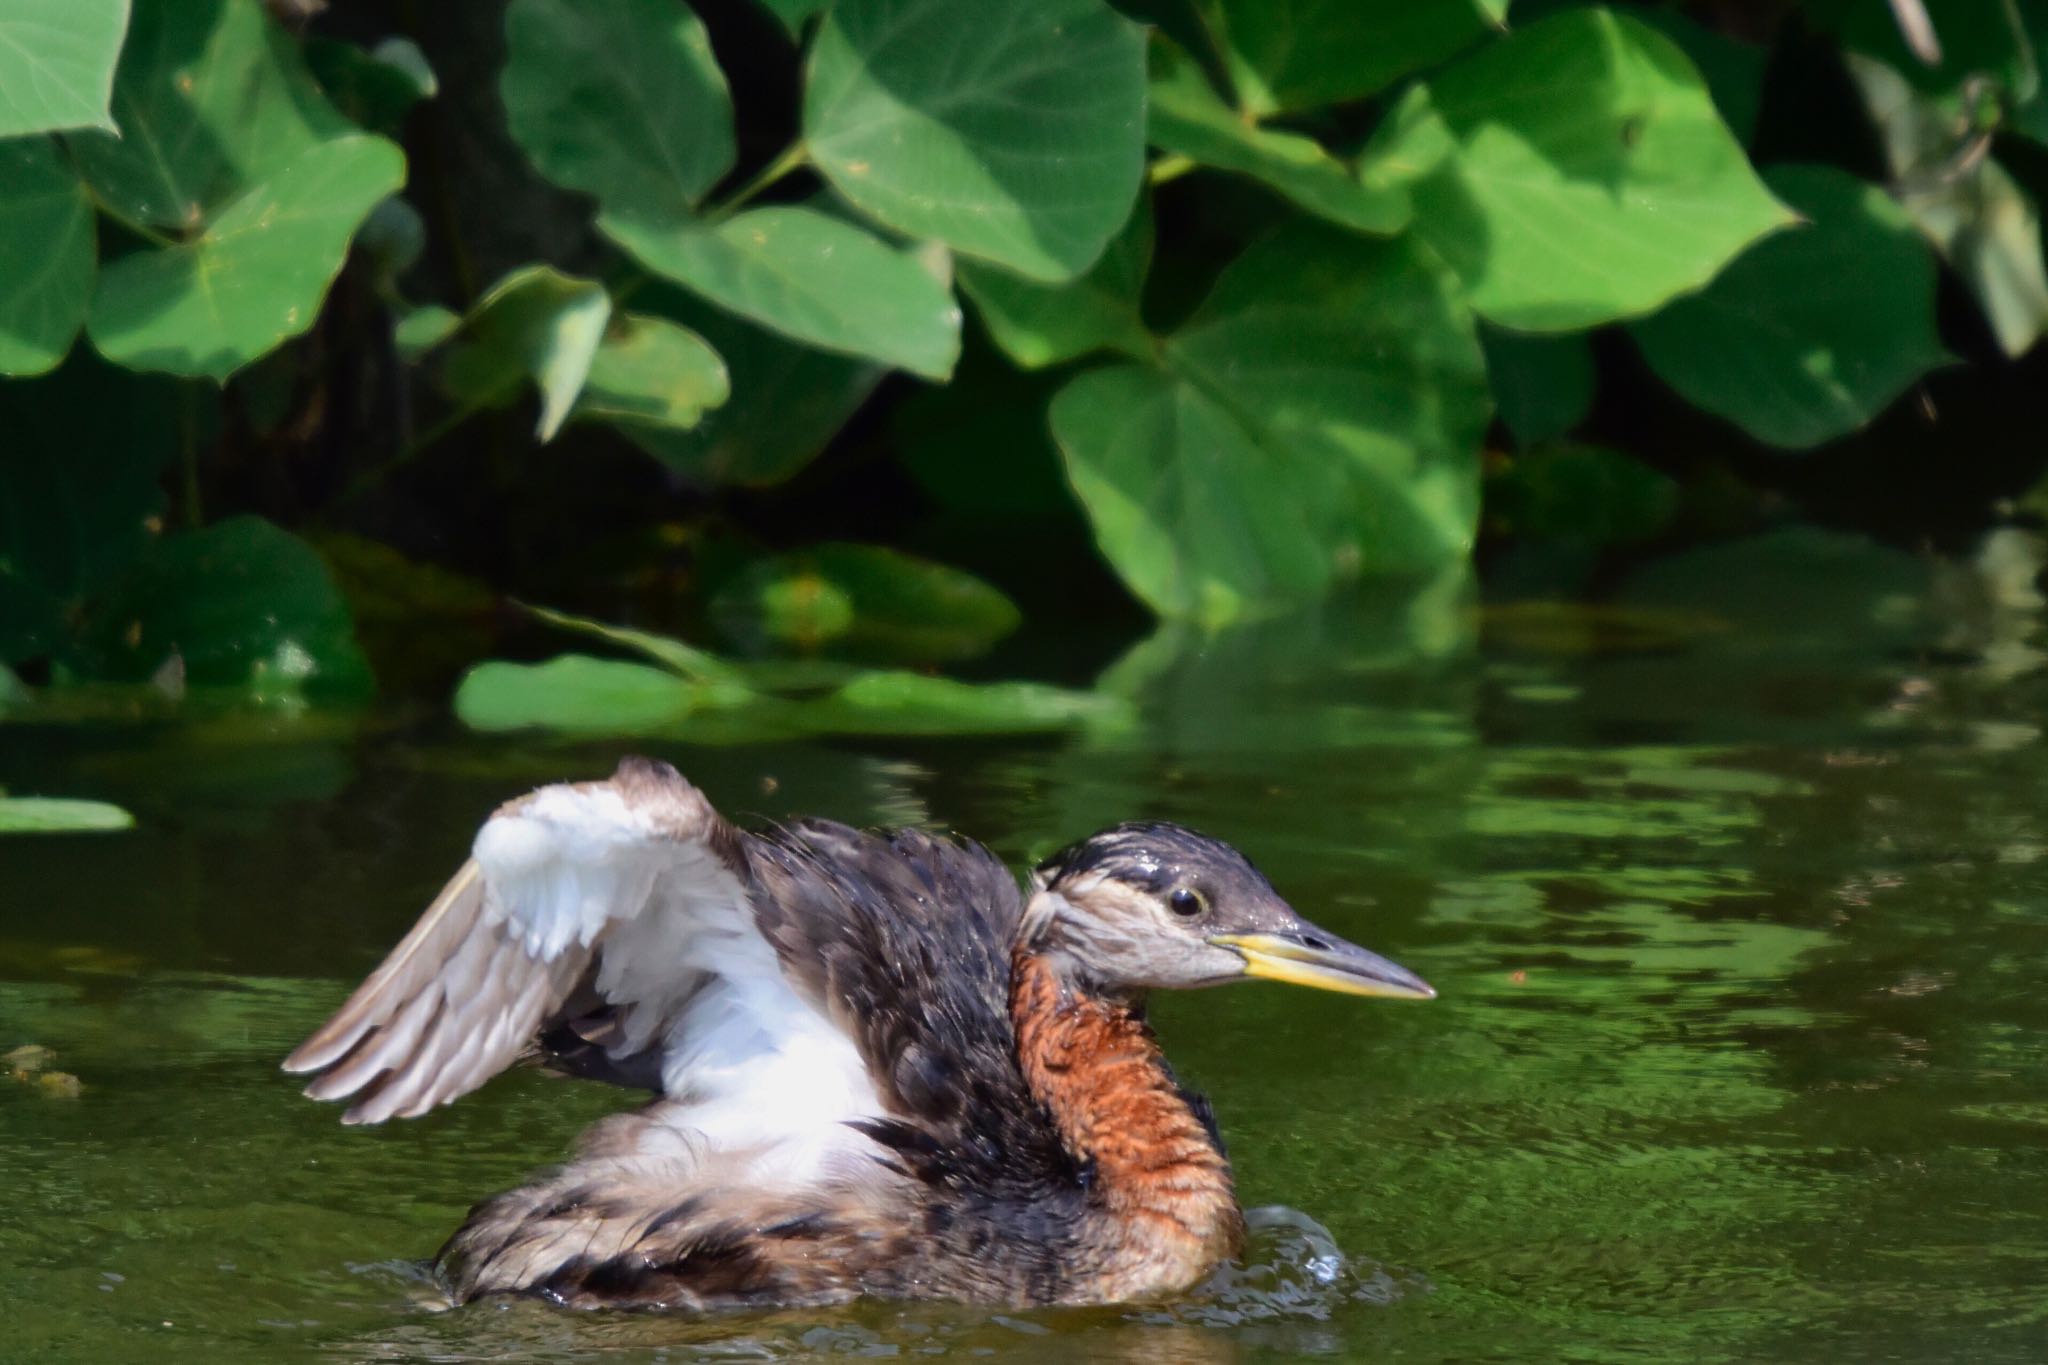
<point>754,1070</point>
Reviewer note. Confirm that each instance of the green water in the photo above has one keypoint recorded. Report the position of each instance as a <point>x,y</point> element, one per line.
<point>1736,906</point>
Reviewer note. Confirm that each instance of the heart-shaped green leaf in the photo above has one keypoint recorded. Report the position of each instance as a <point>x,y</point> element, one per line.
<point>1014,133</point>
<point>787,400</point>
<point>257,273</point>
<point>537,324</point>
<point>211,99</point>
<point>1186,116</point>
<point>1297,54</point>
<point>57,63</point>
<point>649,372</point>
<point>46,229</point>
<point>621,99</point>
<point>1811,333</point>
<point>1038,324</point>
<point>1320,415</point>
<point>811,277</point>
<point>1561,214</point>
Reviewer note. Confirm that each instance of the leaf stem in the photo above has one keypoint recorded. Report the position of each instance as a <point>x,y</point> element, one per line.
<point>794,157</point>
<point>372,478</point>
<point>1170,167</point>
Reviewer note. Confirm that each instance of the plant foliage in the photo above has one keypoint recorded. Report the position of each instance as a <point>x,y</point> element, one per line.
<point>1285,260</point>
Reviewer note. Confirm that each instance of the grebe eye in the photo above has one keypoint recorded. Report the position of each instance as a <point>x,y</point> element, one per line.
<point>1185,902</point>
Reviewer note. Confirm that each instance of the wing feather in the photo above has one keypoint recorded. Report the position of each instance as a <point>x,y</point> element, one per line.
<point>556,879</point>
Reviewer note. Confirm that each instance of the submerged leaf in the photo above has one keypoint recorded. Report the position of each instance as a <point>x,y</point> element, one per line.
<point>865,601</point>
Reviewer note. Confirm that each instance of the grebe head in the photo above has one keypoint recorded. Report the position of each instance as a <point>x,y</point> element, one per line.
<point>1154,905</point>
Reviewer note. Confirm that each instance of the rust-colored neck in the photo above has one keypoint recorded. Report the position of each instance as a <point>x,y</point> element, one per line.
<point>1168,1211</point>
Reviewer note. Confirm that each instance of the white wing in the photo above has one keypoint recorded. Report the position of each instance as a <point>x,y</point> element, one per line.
<point>633,885</point>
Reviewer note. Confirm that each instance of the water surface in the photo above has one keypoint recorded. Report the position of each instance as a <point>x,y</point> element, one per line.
<point>1734,899</point>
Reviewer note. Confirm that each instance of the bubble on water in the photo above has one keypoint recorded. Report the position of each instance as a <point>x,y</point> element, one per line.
<point>1291,1268</point>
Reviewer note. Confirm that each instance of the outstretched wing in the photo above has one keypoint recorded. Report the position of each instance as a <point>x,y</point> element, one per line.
<point>633,889</point>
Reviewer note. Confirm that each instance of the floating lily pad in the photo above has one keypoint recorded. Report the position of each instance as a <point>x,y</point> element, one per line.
<point>59,815</point>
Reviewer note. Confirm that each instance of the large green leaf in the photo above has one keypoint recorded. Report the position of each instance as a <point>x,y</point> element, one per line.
<point>1296,54</point>
<point>864,601</point>
<point>1810,334</point>
<point>650,372</point>
<point>811,277</point>
<point>1013,132</point>
<point>1186,116</point>
<point>1561,213</point>
<point>46,235</point>
<point>211,99</point>
<point>1039,324</point>
<point>57,63</point>
<point>1320,415</point>
<point>59,815</point>
<point>1970,207</point>
<point>621,99</point>
<point>239,604</point>
<point>537,324</point>
<point>787,400</point>
<point>257,273</point>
